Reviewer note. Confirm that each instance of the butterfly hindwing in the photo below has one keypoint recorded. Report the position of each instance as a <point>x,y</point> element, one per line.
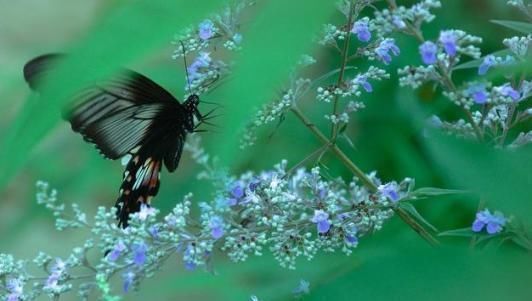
<point>140,183</point>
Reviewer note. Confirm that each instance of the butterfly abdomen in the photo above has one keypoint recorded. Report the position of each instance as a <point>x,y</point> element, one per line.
<point>140,184</point>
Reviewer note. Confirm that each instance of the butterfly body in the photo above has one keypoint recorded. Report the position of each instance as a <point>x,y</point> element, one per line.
<point>128,114</point>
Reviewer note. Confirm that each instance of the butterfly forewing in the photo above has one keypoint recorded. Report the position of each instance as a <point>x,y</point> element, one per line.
<point>127,114</point>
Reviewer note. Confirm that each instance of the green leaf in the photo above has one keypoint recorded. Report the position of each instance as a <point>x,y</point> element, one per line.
<point>126,33</point>
<point>270,49</point>
<point>414,273</point>
<point>411,210</point>
<point>521,27</point>
<point>476,63</point>
<point>500,177</point>
<point>433,191</point>
<point>522,241</point>
<point>464,232</point>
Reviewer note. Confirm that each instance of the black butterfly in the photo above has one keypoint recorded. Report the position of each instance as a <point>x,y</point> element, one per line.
<point>128,114</point>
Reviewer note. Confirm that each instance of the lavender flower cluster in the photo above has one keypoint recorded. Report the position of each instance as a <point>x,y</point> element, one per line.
<point>291,215</point>
<point>491,108</point>
<point>220,30</point>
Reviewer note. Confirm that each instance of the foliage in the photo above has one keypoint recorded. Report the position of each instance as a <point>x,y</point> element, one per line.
<point>297,211</point>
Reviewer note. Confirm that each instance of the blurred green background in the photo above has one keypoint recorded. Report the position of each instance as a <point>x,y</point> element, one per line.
<point>393,264</point>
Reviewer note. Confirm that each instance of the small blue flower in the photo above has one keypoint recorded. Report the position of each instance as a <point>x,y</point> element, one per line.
<point>203,60</point>
<point>362,80</point>
<point>321,219</point>
<point>253,184</point>
<point>15,288</point>
<point>129,278</point>
<point>139,253</point>
<point>384,49</point>
<point>206,30</point>
<point>488,62</point>
<point>303,288</point>
<point>435,121</point>
<point>428,51</point>
<point>390,191</point>
<point>52,282</point>
<point>154,231</point>
<point>216,225</point>
<point>398,22</point>
<point>351,238</point>
<point>237,191</point>
<point>448,40</point>
<point>361,29</point>
<point>493,223</point>
<point>237,38</point>
<point>145,211</point>
<point>190,265</point>
<point>508,91</point>
<point>117,251</point>
<point>478,93</point>
<point>322,193</point>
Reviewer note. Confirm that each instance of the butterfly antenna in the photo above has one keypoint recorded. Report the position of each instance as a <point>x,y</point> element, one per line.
<point>186,66</point>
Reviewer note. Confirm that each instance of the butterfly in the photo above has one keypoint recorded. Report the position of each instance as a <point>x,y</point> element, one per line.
<point>128,114</point>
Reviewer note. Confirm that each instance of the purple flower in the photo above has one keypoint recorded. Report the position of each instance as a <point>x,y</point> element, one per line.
<point>390,191</point>
<point>129,278</point>
<point>217,227</point>
<point>429,51</point>
<point>154,231</point>
<point>139,253</point>
<point>253,184</point>
<point>202,61</point>
<point>237,38</point>
<point>206,30</point>
<point>435,121</point>
<point>508,91</point>
<point>362,80</point>
<point>237,192</point>
<point>322,193</point>
<point>15,288</point>
<point>52,282</point>
<point>478,93</point>
<point>448,40</point>
<point>492,222</point>
<point>117,251</point>
<point>488,62</point>
<point>361,29</point>
<point>321,219</point>
<point>145,211</point>
<point>350,237</point>
<point>384,49</point>
<point>398,22</point>
<point>188,258</point>
<point>303,288</point>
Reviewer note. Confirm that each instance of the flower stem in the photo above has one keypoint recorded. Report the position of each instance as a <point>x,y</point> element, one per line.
<point>361,175</point>
<point>345,52</point>
<point>334,148</point>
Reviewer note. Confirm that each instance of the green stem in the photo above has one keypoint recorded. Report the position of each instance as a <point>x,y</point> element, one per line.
<point>361,175</point>
<point>345,52</point>
<point>334,148</point>
<point>416,227</point>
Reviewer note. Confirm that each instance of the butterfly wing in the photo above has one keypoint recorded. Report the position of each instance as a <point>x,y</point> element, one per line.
<point>140,183</point>
<point>115,114</point>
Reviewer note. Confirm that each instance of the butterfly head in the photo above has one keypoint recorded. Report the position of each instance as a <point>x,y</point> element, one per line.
<point>191,107</point>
